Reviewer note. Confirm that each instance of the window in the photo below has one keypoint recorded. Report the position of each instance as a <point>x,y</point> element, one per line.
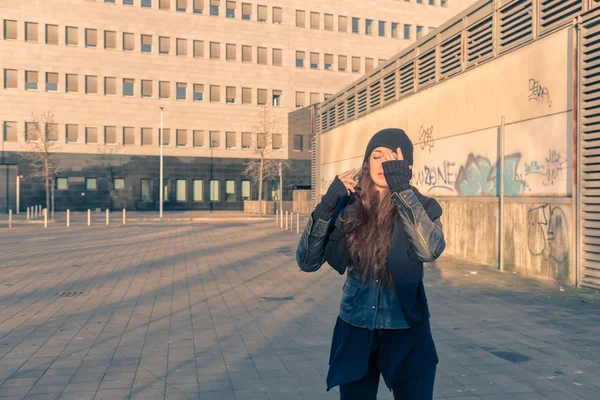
<point>146,189</point>
<point>198,138</point>
<point>128,136</point>
<point>261,97</point>
<point>246,11</point>
<point>110,40</point>
<point>128,87</point>
<point>214,190</point>
<point>198,92</point>
<point>406,31</point>
<point>327,96</point>
<point>146,136</point>
<point>119,183</point>
<point>91,134</point>
<point>62,184</point>
<point>381,28</point>
<point>52,132</point>
<point>342,63</point>
<point>300,59</point>
<point>72,133</point>
<point>91,38</point>
<point>215,94</point>
<point>214,7</point>
<point>262,13</point>
<point>261,55</point>
<point>91,84</point>
<point>91,184</point>
<point>314,98</point>
<point>277,57</point>
<point>10,30</point>
<point>299,99</point>
<point>276,98</point>
<point>110,86</point>
<point>229,190</point>
<point>419,1</point>
<point>432,2</point>
<point>198,49</point>
<point>245,190</point>
<point>128,2</point>
<point>246,96</point>
<point>355,22</point>
<point>146,43</point>
<point>181,5</point>
<point>181,91</point>
<point>164,4</point>
<point>300,19</point>
<point>342,23</point>
<point>198,189</point>
<point>72,83</point>
<point>355,64</point>
<point>182,47</point>
<point>10,79</point>
<point>230,95</point>
<point>380,62</point>
<point>230,52</point>
<point>128,41</point>
<point>314,60</point>
<point>10,131</point>
<point>369,26</point>
<point>368,65</point>
<point>215,139</point>
<point>164,90</point>
<point>146,88</point>
<point>394,29</point>
<point>72,36</point>
<point>277,15</point>
<point>198,6</point>
<point>215,51</point>
<point>31,131</point>
<point>329,62</point>
<point>166,136</point>
<point>444,3</point>
<point>246,54</point>
<point>146,3</point>
<point>164,45</point>
<point>246,140</point>
<point>314,20</point>
<point>419,32</point>
<point>297,142</point>
<point>31,80</point>
<point>230,140</point>
<point>110,134</point>
<point>31,32</point>
<point>277,141</point>
<point>261,140</point>
<point>180,194</point>
<point>230,12</point>
<point>328,22</point>
<point>274,190</point>
<point>51,34</point>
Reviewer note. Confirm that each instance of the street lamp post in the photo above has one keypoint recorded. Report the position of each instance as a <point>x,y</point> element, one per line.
<point>160,143</point>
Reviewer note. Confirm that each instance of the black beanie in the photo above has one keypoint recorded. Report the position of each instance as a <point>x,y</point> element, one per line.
<point>392,138</point>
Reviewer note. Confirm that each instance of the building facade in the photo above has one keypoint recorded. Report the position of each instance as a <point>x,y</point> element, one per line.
<point>93,76</point>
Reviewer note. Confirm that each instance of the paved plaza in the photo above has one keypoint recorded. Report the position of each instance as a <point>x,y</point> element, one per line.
<point>219,310</point>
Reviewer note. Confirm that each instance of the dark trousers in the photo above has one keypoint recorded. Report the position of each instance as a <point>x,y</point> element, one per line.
<point>418,388</point>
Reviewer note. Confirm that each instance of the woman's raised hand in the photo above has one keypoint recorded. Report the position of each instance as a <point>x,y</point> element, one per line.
<point>347,180</point>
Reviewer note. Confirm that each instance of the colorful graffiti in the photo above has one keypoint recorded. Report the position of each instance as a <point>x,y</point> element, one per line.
<point>441,177</point>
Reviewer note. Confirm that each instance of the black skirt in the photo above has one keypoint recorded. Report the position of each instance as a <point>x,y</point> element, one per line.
<point>401,353</point>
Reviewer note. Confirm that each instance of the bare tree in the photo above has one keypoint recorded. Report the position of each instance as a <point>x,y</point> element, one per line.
<point>41,135</point>
<point>263,167</point>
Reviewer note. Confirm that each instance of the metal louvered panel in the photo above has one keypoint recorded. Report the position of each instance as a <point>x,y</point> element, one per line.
<point>351,106</point>
<point>361,100</point>
<point>516,24</point>
<point>389,87</point>
<point>375,94</point>
<point>480,42</point>
<point>407,79</point>
<point>426,69</point>
<point>451,56</point>
<point>554,13</point>
<point>589,174</point>
<point>324,121</point>
<point>331,113</point>
<point>341,112</point>
<point>318,121</point>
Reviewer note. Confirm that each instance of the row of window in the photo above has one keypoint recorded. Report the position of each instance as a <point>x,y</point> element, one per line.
<point>183,137</point>
<point>180,190</point>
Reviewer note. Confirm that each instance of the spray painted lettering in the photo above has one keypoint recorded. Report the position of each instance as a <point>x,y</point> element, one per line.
<point>547,235</point>
<point>538,93</point>
<point>426,138</point>
<point>479,178</point>
<point>441,177</point>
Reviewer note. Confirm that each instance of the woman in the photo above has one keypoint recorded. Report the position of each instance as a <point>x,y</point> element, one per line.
<point>381,230</point>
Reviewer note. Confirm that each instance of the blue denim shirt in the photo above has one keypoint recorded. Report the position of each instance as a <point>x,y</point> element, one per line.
<point>370,305</point>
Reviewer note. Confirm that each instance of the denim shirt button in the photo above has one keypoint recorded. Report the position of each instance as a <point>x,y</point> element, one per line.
<point>376,280</point>
<point>373,307</point>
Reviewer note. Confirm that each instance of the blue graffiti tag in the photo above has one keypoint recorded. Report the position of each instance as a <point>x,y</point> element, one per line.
<point>479,178</point>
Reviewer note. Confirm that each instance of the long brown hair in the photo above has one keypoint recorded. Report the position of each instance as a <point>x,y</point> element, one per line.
<point>371,227</point>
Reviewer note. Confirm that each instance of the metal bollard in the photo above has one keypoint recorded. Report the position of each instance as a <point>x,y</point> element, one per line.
<point>277,218</point>
<point>298,223</point>
<point>281,219</point>
<point>89,217</point>
<point>286,220</point>
<point>68,218</point>
<point>10,218</point>
<point>27,213</point>
<point>291,221</point>
<point>124,216</point>
<point>45,217</point>
<point>107,216</point>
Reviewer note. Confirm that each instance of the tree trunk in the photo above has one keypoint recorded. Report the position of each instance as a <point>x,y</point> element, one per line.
<point>47,192</point>
<point>260,183</point>
<point>52,189</point>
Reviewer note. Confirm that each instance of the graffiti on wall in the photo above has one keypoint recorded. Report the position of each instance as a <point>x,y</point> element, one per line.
<point>538,92</point>
<point>426,138</point>
<point>553,169</point>
<point>440,177</point>
<point>479,178</point>
<point>547,235</point>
